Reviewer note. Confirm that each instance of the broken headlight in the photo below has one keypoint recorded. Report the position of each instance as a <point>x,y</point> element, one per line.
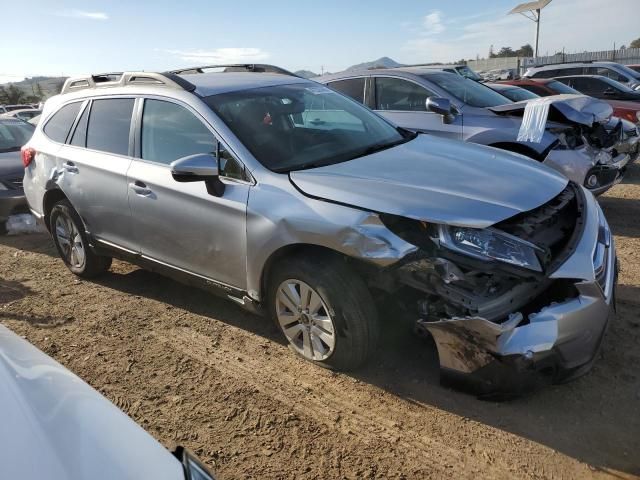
<point>489,244</point>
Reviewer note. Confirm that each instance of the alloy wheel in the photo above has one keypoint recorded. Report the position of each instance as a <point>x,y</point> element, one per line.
<point>305,320</point>
<point>70,241</point>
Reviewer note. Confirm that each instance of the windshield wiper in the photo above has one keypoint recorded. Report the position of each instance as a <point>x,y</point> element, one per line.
<point>378,147</point>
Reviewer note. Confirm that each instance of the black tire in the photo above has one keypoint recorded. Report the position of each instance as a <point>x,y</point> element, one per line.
<point>348,301</point>
<point>93,265</point>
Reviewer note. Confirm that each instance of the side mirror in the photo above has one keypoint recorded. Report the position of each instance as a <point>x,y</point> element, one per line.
<point>201,167</point>
<point>192,466</point>
<point>441,106</point>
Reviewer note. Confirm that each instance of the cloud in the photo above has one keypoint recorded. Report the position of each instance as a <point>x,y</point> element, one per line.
<point>432,23</point>
<point>83,14</point>
<point>569,24</point>
<point>222,55</point>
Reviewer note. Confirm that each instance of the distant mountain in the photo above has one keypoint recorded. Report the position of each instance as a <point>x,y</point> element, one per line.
<point>306,74</point>
<point>384,62</point>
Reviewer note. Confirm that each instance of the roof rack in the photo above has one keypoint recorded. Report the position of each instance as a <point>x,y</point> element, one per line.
<point>235,67</point>
<point>121,79</point>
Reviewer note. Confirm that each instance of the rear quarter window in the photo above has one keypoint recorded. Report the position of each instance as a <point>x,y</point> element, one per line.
<point>60,124</point>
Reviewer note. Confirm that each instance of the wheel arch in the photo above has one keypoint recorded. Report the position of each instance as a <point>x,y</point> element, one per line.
<point>51,197</point>
<point>296,249</point>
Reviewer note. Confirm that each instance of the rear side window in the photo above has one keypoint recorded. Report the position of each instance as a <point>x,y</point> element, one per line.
<point>352,87</point>
<point>58,127</point>
<point>109,125</point>
<point>170,132</point>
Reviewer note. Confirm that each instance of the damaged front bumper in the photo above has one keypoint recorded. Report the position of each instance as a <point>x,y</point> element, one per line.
<point>555,343</point>
<point>597,171</point>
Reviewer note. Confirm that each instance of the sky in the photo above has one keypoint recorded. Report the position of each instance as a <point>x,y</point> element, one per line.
<point>70,37</point>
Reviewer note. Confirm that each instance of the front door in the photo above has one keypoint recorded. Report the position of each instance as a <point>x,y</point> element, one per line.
<point>402,102</point>
<point>180,224</point>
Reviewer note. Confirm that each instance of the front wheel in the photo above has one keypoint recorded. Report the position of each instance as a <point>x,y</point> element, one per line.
<point>324,310</point>
<point>71,242</point>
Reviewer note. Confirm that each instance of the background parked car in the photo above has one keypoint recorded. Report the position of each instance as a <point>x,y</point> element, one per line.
<point>451,106</point>
<point>9,108</point>
<point>512,92</point>
<point>612,70</point>
<point>634,67</point>
<point>601,87</point>
<point>14,134</point>
<point>500,74</point>
<point>57,427</point>
<point>25,114</point>
<point>545,87</point>
<point>462,70</point>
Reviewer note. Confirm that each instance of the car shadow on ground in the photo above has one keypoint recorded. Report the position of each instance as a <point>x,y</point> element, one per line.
<point>36,243</point>
<point>576,419</point>
<point>623,215</point>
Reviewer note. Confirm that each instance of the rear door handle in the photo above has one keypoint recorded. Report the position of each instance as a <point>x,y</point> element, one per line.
<point>70,167</point>
<point>140,188</point>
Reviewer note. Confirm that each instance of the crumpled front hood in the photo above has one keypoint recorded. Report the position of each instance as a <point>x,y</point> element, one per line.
<point>436,180</point>
<point>11,164</point>
<point>564,108</point>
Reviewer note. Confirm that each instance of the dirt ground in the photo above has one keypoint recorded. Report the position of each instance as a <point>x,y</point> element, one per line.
<point>196,370</point>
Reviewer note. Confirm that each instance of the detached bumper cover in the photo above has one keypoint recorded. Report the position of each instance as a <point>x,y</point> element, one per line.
<point>556,343</point>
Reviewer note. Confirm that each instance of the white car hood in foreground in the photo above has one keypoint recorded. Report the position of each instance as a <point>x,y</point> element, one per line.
<point>53,426</point>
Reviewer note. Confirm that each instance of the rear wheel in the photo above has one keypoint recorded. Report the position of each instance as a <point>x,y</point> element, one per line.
<point>324,310</point>
<point>71,242</point>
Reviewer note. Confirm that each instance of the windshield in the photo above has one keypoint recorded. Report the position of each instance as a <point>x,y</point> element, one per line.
<point>14,134</point>
<point>471,93</point>
<point>517,94</point>
<point>620,87</point>
<point>303,125</point>
<point>629,71</point>
<point>560,87</point>
<point>468,73</point>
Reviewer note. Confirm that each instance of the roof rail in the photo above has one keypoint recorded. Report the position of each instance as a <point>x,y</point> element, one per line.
<point>121,79</point>
<point>235,67</point>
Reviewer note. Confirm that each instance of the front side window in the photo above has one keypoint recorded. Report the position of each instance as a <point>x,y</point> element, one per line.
<point>352,87</point>
<point>170,132</point>
<point>302,125</point>
<point>109,125</point>
<point>612,74</point>
<point>400,95</point>
<point>467,91</point>
<point>58,127</point>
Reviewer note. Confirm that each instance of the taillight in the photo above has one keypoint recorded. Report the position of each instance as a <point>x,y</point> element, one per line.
<point>631,116</point>
<point>28,154</point>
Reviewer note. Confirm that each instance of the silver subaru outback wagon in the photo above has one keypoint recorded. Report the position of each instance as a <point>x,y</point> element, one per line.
<point>294,200</point>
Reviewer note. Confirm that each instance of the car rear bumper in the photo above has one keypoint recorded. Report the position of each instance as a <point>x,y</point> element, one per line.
<point>12,202</point>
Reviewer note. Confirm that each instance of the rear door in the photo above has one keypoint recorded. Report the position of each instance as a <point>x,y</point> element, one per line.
<point>182,225</point>
<point>403,103</point>
<point>93,166</point>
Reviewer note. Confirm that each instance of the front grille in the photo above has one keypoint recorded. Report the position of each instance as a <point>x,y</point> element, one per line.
<point>601,257</point>
<point>552,226</point>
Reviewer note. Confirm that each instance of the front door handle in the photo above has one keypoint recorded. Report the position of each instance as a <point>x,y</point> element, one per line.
<point>140,188</point>
<point>70,167</point>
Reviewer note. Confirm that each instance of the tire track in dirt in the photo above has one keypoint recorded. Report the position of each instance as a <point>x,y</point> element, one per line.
<point>290,384</point>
